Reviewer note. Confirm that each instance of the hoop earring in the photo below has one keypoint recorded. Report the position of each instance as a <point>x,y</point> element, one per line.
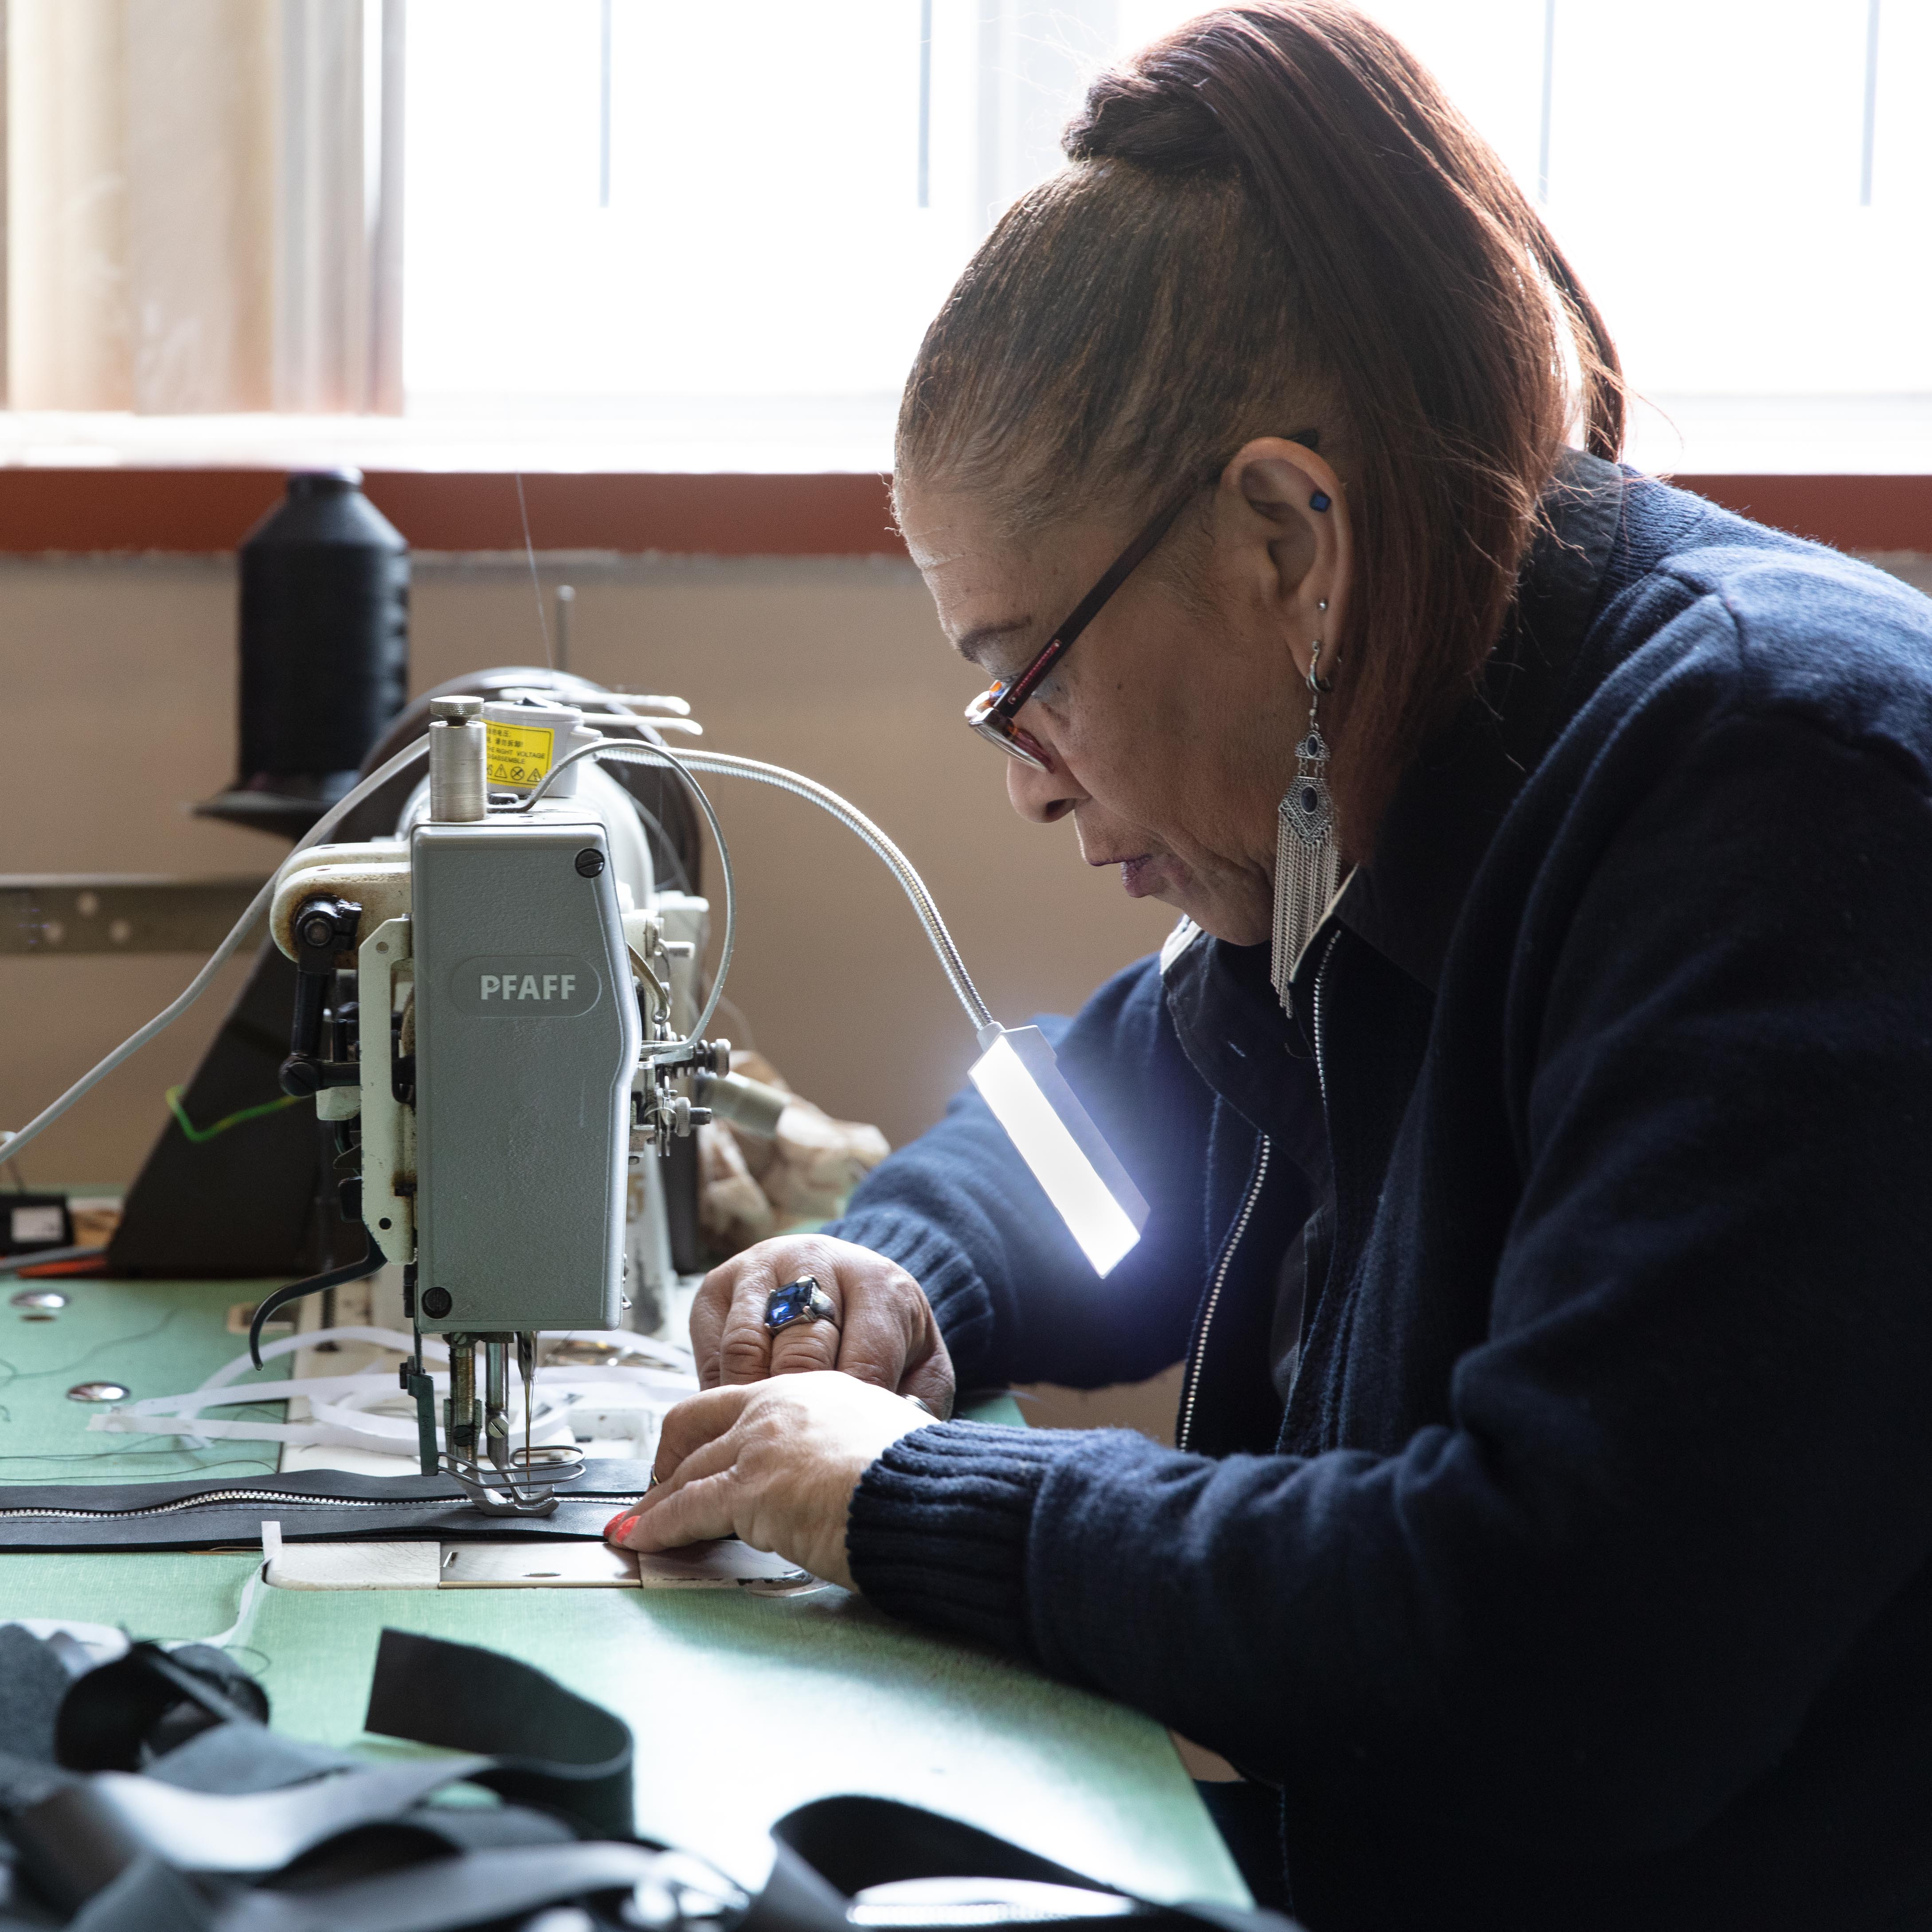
<point>1307,864</point>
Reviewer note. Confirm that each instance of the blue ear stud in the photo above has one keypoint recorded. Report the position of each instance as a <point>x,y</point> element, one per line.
<point>1318,501</point>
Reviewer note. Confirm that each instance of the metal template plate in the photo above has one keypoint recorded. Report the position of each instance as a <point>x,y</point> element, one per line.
<point>554,1563</point>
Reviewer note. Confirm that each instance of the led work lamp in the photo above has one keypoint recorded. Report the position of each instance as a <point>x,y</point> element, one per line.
<point>1019,1078</point>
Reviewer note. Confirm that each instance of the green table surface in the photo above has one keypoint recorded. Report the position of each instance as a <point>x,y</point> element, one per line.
<point>742,1706</point>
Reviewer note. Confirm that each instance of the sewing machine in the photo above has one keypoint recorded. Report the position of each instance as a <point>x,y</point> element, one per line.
<point>496,1008</point>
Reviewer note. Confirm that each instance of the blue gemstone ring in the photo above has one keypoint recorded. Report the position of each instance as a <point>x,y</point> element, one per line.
<point>800,1300</point>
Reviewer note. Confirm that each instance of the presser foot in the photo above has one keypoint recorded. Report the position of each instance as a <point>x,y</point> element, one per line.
<point>527,1488</point>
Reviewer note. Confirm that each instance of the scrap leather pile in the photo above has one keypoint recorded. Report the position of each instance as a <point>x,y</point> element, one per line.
<point>142,1789</point>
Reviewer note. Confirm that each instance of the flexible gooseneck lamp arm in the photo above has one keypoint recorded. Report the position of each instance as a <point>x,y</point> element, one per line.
<point>724,764</point>
<point>1017,1075</point>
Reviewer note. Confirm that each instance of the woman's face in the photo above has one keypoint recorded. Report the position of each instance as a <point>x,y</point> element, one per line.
<point>1168,729</point>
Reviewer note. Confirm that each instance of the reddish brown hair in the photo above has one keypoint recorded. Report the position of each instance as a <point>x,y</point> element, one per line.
<point>1274,218</point>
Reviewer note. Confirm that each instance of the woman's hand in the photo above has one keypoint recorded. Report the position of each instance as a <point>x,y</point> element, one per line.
<point>774,1465</point>
<point>884,1333</point>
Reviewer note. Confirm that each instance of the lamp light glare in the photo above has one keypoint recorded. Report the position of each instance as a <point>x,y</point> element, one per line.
<point>1020,1081</point>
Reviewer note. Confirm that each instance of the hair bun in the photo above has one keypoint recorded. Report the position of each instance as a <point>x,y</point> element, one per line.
<point>1157,120</point>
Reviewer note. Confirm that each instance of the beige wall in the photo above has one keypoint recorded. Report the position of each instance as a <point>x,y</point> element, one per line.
<point>117,678</point>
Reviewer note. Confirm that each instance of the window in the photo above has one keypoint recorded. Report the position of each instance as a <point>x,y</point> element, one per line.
<point>617,211</point>
<point>667,234</point>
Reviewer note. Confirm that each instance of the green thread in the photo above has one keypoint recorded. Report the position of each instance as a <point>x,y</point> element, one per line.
<point>198,1135</point>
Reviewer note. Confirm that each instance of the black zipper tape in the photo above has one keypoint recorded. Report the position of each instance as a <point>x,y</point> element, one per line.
<point>312,1505</point>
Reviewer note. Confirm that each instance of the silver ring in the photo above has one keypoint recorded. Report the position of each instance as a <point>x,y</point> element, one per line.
<point>800,1300</point>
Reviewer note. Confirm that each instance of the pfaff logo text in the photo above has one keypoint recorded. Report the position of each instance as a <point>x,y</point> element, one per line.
<point>527,986</point>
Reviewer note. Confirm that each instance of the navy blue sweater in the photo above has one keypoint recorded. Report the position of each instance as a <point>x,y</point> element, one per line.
<point>1583,1581</point>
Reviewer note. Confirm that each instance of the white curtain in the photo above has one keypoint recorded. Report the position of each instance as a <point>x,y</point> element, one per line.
<point>203,205</point>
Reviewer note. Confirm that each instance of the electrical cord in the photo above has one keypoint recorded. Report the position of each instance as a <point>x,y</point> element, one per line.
<point>196,1136</point>
<point>11,1144</point>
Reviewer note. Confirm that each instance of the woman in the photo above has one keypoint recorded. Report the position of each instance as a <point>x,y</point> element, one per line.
<point>1542,1220</point>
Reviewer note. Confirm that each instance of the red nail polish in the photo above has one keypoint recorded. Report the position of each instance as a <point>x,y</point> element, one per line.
<point>620,1525</point>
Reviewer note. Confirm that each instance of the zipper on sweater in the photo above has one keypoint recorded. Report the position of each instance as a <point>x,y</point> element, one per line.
<point>1315,1015</point>
<point>1191,1395</point>
<point>1185,1433</point>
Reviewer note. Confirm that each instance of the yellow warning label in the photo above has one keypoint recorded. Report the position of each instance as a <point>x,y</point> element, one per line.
<point>519,754</point>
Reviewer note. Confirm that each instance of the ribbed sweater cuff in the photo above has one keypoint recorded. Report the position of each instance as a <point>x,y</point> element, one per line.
<point>938,1529</point>
<point>960,1303</point>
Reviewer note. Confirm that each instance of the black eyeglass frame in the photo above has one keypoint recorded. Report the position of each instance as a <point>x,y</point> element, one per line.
<point>992,712</point>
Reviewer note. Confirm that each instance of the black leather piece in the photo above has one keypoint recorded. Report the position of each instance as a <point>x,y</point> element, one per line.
<point>851,1844</point>
<point>25,1781</point>
<point>568,1756</point>
<point>163,1852</point>
<point>236,1698</point>
<point>234,1758</point>
<point>547,1747</point>
<point>75,1656</point>
<point>312,1505</point>
<point>176,1695</point>
<point>551,1748</point>
<point>796,1898</point>
<point>156,1898</point>
<point>428,1832</point>
<point>148,1700</point>
<point>488,1888</point>
<point>82,1839</point>
<point>33,1680</point>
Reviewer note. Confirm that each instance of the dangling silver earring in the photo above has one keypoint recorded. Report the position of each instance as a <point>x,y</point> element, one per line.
<point>1307,863</point>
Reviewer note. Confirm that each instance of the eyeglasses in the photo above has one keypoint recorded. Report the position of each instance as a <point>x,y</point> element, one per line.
<point>992,712</point>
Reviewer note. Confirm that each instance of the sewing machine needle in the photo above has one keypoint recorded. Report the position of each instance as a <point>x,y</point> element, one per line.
<point>526,1353</point>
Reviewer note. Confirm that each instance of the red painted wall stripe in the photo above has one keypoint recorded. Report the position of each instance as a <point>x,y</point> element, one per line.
<point>199,510</point>
<point>203,511</point>
<point>1849,512</point>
